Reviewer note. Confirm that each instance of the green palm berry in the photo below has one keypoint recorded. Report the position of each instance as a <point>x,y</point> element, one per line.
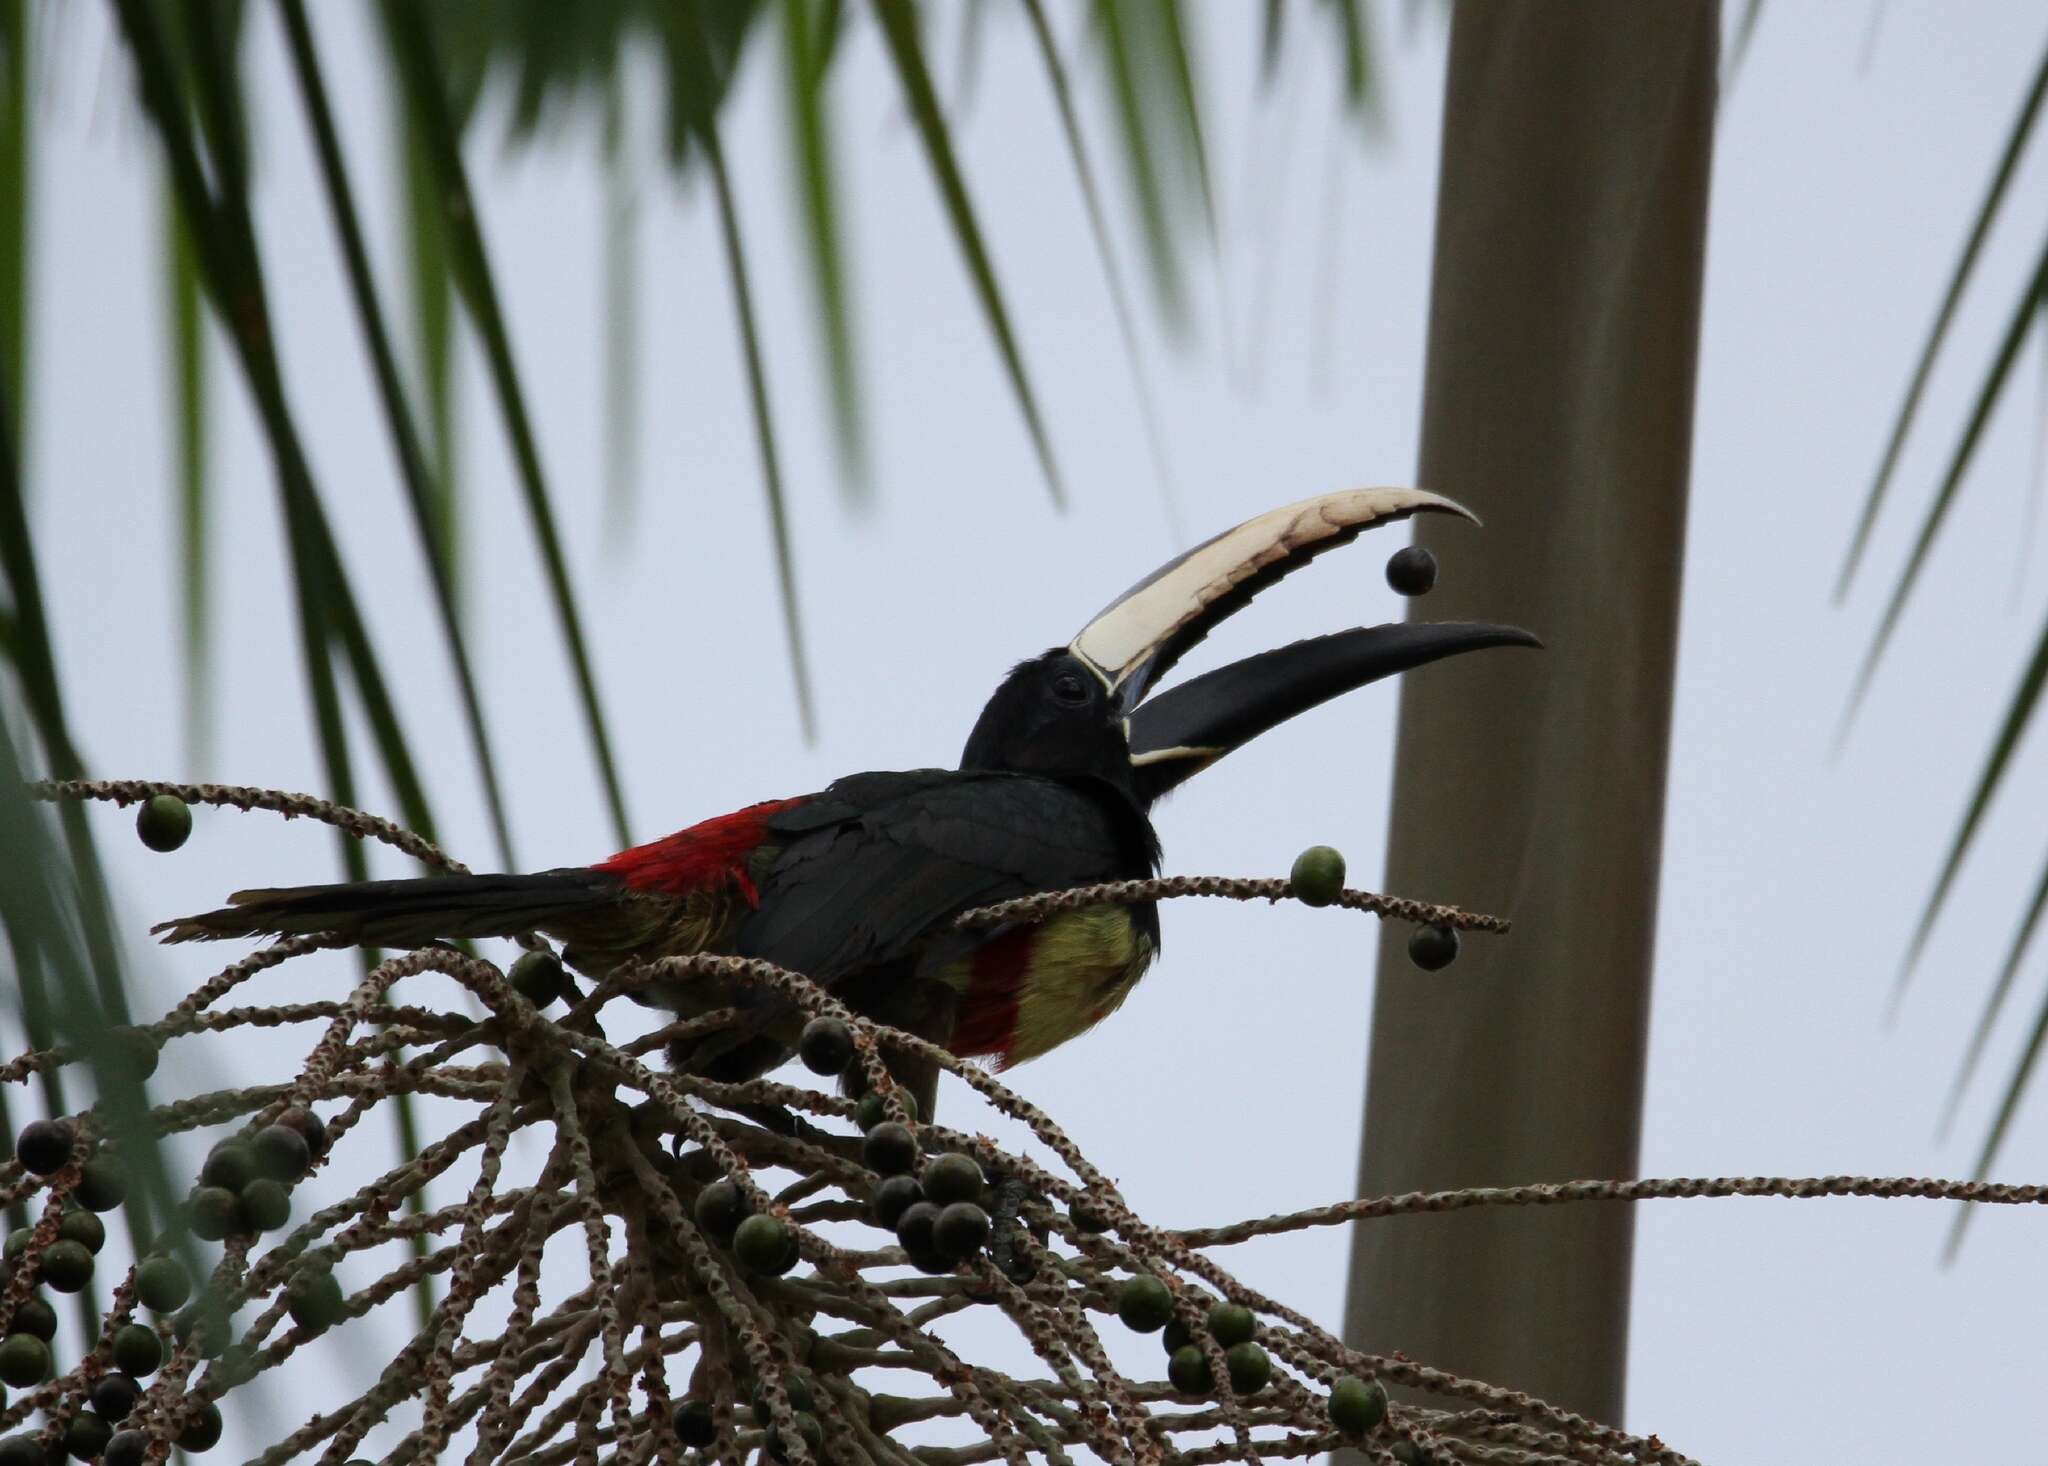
<point>67,1266</point>
<point>871,1112</point>
<point>893,1197</point>
<point>1357,1405</point>
<point>952,1177</point>
<point>538,978</point>
<point>826,1046</point>
<point>1250,1367</point>
<point>1188,1370</point>
<point>24,1360</point>
<point>961,1231</point>
<point>163,1285</point>
<point>35,1316</point>
<point>137,1349</point>
<point>102,1184</point>
<point>693,1421</point>
<point>215,1213</point>
<point>1144,1303</point>
<point>1411,571</point>
<point>133,1049</point>
<point>127,1448</point>
<point>266,1205</point>
<point>1433,948</point>
<point>83,1227</point>
<point>890,1149</point>
<point>793,1385</point>
<point>1231,1323</point>
<point>720,1208</point>
<point>314,1300</point>
<point>1318,876</point>
<point>765,1245</point>
<point>230,1165</point>
<point>916,1227</point>
<point>1176,1336</point>
<point>1087,1218</point>
<point>164,823</point>
<point>202,1428</point>
<point>808,1427</point>
<point>44,1146</point>
<point>87,1435</point>
<point>17,1242</point>
<point>1410,1454</point>
<point>281,1153</point>
<point>114,1395</point>
<point>25,1450</point>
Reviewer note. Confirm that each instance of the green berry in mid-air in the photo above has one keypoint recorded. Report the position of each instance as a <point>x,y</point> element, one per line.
<point>1411,571</point>
<point>1318,876</point>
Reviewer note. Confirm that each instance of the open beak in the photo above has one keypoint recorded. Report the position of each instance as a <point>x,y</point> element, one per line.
<point>1139,636</point>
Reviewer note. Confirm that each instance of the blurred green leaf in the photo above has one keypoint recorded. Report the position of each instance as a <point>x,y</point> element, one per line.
<point>427,102</point>
<point>188,390</point>
<point>906,51</point>
<point>1994,198</point>
<point>15,200</point>
<point>621,315</point>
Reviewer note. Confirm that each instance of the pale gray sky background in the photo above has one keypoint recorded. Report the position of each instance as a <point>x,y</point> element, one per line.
<point>1852,149</point>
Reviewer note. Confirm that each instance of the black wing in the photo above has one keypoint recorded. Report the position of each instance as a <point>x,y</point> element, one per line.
<point>878,864</point>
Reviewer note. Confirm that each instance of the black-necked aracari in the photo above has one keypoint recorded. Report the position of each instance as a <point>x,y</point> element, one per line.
<point>858,885</point>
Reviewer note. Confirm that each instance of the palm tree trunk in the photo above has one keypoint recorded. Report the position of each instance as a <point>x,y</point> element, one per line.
<point>1564,329</point>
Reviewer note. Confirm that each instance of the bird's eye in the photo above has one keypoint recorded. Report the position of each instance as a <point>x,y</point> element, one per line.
<point>1069,689</point>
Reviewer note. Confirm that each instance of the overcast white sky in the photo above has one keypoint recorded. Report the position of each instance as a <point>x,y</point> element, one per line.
<point>1852,150</point>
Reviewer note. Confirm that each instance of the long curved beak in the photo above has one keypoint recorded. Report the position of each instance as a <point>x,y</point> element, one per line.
<point>1135,640</point>
<point>1184,729</point>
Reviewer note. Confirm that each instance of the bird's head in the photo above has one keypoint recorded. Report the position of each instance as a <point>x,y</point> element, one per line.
<point>1089,708</point>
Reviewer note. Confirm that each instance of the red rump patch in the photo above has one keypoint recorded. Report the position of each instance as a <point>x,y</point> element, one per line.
<point>987,1019</point>
<point>704,855</point>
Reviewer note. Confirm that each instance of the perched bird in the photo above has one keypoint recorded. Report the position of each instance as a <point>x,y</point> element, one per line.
<point>858,884</point>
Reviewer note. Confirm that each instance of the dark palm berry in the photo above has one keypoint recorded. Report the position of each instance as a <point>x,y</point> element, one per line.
<point>314,1299</point>
<point>952,1177</point>
<point>1230,1323</point>
<point>83,1226</point>
<point>25,1450</point>
<point>693,1422</point>
<point>871,1111</point>
<point>720,1209</point>
<point>137,1349</point>
<point>266,1205</point>
<point>1250,1367</point>
<point>35,1316</point>
<point>1176,1336</point>
<point>114,1395</point>
<point>163,1285</point>
<point>893,1196</point>
<point>1433,948</point>
<point>1318,876</point>
<point>1411,571</point>
<point>67,1266</point>
<point>133,1049</point>
<point>102,1184</point>
<point>281,1153</point>
<point>890,1149</point>
<point>1189,1371</point>
<point>309,1125</point>
<point>87,1435</point>
<point>794,1385</point>
<point>24,1360</point>
<point>231,1165</point>
<point>961,1231</point>
<point>930,1261</point>
<point>215,1213</point>
<point>765,1244</point>
<point>17,1242</point>
<point>127,1448</point>
<point>1357,1405</point>
<point>538,978</point>
<point>914,1229</point>
<point>1087,1218</point>
<point>826,1045</point>
<point>44,1146</point>
<point>1144,1303</point>
<point>164,823</point>
<point>202,1428</point>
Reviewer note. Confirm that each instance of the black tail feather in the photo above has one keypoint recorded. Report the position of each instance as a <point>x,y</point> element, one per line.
<point>403,913</point>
